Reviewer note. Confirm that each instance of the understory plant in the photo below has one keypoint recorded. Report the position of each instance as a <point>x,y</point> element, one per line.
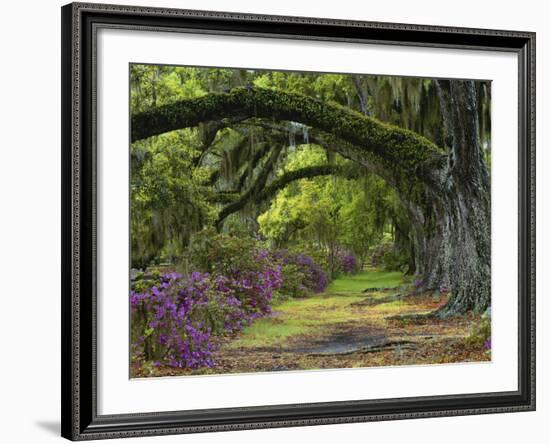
<point>347,262</point>
<point>313,278</point>
<point>167,321</point>
<point>175,318</point>
<point>481,332</point>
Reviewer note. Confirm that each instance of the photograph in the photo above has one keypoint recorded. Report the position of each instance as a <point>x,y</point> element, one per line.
<point>297,221</point>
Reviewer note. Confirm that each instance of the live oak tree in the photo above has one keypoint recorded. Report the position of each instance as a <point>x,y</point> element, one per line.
<point>443,187</point>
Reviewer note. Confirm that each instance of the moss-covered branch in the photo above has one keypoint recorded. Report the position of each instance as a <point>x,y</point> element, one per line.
<point>389,142</point>
<point>391,172</point>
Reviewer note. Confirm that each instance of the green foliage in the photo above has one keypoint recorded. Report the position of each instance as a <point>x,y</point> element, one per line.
<point>481,332</point>
<point>395,261</point>
<point>366,279</point>
<point>167,197</point>
<point>219,253</point>
<point>293,283</point>
<point>388,256</point>
<point>326,214</point>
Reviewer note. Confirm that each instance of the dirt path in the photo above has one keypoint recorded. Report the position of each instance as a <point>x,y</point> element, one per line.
<point>347,327</point>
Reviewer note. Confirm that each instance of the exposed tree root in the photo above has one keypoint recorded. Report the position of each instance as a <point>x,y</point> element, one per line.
<point>440,313</point>
<point>373,349</point>
<point>414,316</point>
<point>371,302</point>
<point>377,289</point>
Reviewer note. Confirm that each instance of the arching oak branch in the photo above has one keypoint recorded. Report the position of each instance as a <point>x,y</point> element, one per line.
<point>389,142</point>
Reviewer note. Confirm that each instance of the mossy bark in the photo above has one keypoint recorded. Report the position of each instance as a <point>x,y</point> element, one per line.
<point>460,253</point>
<point>393,144</point>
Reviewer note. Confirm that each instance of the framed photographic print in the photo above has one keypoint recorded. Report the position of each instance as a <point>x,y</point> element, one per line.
<point>279,221</point>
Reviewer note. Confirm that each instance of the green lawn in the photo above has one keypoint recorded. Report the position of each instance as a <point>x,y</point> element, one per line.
<point>316,313</point>
<point>366,279</point>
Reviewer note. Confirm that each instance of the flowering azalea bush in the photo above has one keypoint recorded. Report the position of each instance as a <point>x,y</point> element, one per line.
<point>252,273</point>
<point>254,287</point>
<point>175,318</point>
<point>166,321</point>
<point>347,262</point>
<point>313,278</point>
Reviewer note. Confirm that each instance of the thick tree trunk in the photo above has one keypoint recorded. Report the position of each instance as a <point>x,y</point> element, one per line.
<point>459,248</point>
<point>463,259</point>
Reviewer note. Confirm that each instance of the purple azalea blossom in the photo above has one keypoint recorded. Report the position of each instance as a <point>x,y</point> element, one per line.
<point>170,316</point>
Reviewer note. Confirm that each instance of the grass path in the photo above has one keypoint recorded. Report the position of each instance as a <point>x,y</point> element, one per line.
<point>296,321</point>
<point>368,279</point>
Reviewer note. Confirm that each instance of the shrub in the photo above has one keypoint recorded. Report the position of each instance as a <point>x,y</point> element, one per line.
<point>481,332</point>
<point>347,262</point>
<point>389,257</point>
<point>394,261</point>
<point>293,282</point>
<point>314,278</point>
<point>318,255</point>
<point>223,254</point>
<point>166,322</point>
<point>252,273</point>
<point>254,287</point>
<point>174,319</point>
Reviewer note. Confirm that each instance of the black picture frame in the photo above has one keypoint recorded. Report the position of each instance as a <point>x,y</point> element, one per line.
<point>80,420</point>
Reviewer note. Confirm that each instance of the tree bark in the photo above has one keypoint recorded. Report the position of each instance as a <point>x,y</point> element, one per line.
<point>459,247</point>
<point>396,146</point>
